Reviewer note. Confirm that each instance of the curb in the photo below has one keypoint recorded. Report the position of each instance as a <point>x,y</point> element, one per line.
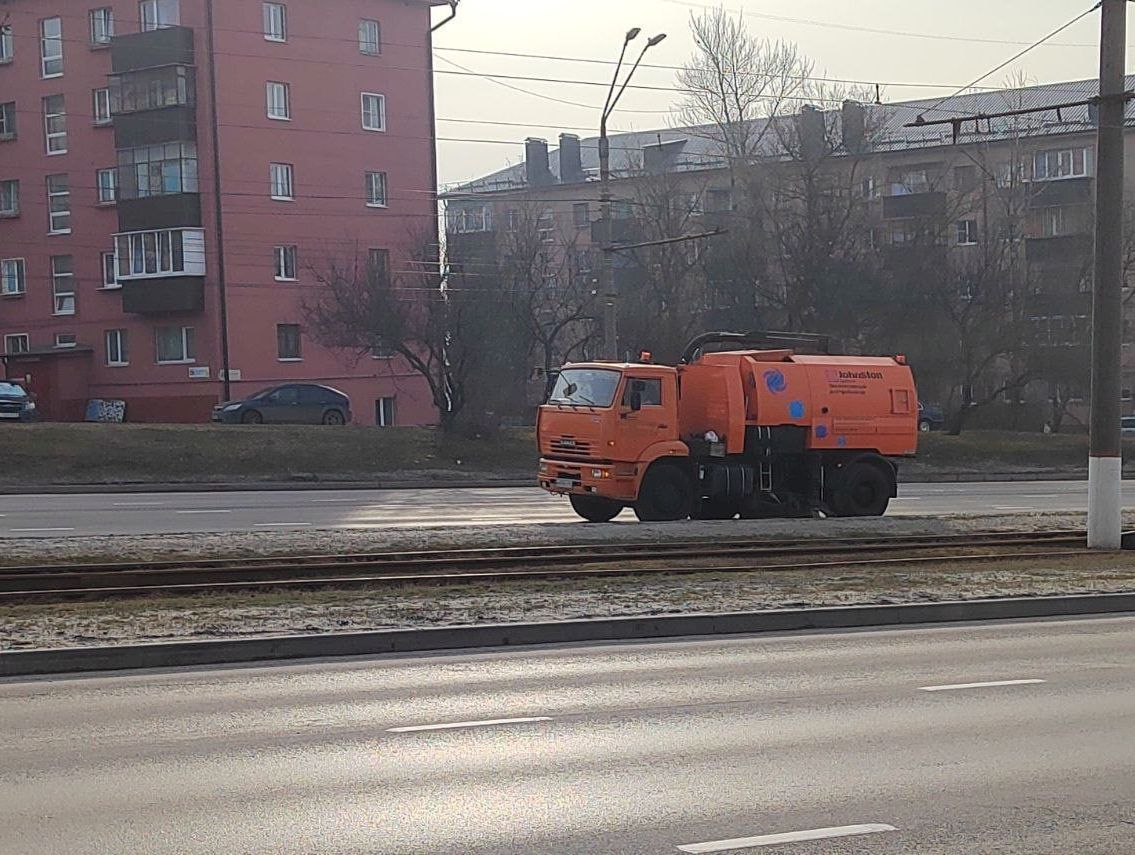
<point>474,484</point>
<point>275,649</point>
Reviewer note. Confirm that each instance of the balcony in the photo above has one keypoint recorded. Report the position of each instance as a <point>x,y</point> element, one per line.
<point>161,271</point>
<point>165,46</point>
<point>1068,250</point>
<point>1064,191</point>
<point>154,105</point>
<point>908,206</point>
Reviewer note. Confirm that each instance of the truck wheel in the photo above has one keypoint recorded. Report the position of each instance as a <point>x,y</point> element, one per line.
<point>716,510</point>
<point>864,491</point>
<point>596,509</point>
<point>666,495</point>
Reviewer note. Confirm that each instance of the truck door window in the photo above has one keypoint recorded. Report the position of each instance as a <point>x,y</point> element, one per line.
<point>649,391</point>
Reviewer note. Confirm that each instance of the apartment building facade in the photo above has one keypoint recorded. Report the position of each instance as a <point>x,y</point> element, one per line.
<point>907,177</point>
<point>175,173</point>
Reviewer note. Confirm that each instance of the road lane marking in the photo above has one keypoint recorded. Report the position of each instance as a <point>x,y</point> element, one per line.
<point>284,525</point>
<point>789,837</point>
<point>990,685</point>
<point>457,725</point>
<point>211,511</point>
<point>140,504</point>
<point>38,530</point>
<point>1013,508</point>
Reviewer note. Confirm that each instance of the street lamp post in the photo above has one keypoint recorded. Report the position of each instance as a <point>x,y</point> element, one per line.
<point>607,265</point>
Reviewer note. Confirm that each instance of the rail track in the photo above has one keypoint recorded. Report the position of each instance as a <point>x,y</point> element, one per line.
<point>55,583</point>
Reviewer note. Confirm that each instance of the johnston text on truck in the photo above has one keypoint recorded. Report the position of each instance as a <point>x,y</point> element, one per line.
<point>762,432</point>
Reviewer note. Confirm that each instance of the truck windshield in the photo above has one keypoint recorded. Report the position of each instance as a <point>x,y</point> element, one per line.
<point>592,387</point>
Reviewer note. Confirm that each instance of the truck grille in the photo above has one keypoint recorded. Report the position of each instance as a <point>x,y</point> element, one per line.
<point>569,445</point>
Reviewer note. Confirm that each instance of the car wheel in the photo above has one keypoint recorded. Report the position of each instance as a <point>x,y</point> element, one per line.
<point>333,417</point>
<point>925,426</point>
<point>252,417</point>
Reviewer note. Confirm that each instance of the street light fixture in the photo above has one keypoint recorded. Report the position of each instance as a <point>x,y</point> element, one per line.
<point>607,267</point>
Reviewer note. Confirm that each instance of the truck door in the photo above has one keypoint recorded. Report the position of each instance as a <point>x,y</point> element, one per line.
<point>647,414</point>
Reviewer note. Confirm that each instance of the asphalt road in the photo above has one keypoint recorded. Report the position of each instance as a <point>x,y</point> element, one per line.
<point>170,513</point>
<point>634,748</point>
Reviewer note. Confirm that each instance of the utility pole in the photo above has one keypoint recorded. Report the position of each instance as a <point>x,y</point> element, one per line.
<point>1105,465</point>
<point>607,240</point>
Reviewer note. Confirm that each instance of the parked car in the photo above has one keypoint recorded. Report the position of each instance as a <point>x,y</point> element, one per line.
<point>930,417</point>
<point>290,404</point>
<point>1127,425</point>
<point>16,405</point>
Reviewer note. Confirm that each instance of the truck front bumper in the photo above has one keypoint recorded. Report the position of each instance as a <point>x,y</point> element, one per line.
<point>607,480</point>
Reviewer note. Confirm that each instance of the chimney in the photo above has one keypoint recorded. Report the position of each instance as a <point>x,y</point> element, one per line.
<point>811,132</point>
<point>536,163</point>
<point>571,161</point>
<point>854,123</point>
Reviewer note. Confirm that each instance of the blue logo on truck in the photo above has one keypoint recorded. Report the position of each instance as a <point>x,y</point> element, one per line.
<point>775,382</point>
<point>796,409</point>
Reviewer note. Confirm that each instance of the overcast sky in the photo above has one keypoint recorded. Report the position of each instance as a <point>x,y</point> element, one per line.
<point>836,34</point>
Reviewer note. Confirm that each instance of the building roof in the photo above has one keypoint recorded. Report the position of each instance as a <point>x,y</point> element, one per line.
<point>696,148</point>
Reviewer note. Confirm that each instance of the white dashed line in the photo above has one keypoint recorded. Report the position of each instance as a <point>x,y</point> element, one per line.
<point>991,685</point>
<point>284,525</point>
<point>459,725</point>
<point>789,837</point>
<point>38,530</point>
<point>140,504</point>
<point>214,511</point>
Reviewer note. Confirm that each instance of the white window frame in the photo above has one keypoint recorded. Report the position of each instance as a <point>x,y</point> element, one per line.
<point>102,26</point>
<point>278,97</point>
<point>282,181</point>
<point>8,114</point>
<point>13,271</point>
<point>64,345</point>
<point>23,338</point>
<point>65,302</point>
<point>1059,164</point>
<point>383,419</point>
<point>118,355</point>
<point>283,254</point>
<point>367,45</point>
<point>275,22</point>
<point>966,234</point>
<point>54,43</point>
<point>299,343</point>
<point>109,284</point>
<point>188,346</point>
<point>376,190</point>
<point>155,14</point>
<point>55,125</point>
<point>153,253</point>
<point>100,106</point>
<point>7,47</point>
<point>366,114</point>
<point>52,215</point>
<point>107,190</point>
<point>13,209</point>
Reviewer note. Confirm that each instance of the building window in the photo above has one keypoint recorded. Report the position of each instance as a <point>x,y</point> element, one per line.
<point>100,105</point>
<point>174,344</point>
<point>374,112</point>
<point>157,170</point>
<point>6,49</point>
<point>720,201</point>
<point>16,343</point>
<point>107,182</point>
<point>279,101</point>
<point>10,198</point>
<point>967,232</point>
<point>58,205</point>
<point>288,341</point>
<point>142,255</point>
<point>285,264</point>
<point>275,22</point>
<point>965,178</point>
<point>546,227</point>
<point>1053,222</point>
<point>370,38</point>
<point>55,124</point>
<point>109,272</point>
<point>376,189</point>
<point>282,176</point>
<point>66,339</point>
<point>1056,164</point>
<point>117,348</point>
<point>8,120</point>
<point>158,14</point>
<point>378,266</point>
<point>13,277</point>
<point>63,284</point>
<point>102,26</point>
<point>51,47</point>
<point>472,219</point>
<point>152,89</point>
<point>384,412</point>
<point>581,214</point>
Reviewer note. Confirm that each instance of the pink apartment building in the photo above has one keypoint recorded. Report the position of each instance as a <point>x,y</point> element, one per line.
<point>172,172</point>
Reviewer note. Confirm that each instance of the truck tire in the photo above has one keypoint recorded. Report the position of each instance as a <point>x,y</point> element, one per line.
<point>666,495</point>
<point>596,509</point>
<point>864,491</point>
